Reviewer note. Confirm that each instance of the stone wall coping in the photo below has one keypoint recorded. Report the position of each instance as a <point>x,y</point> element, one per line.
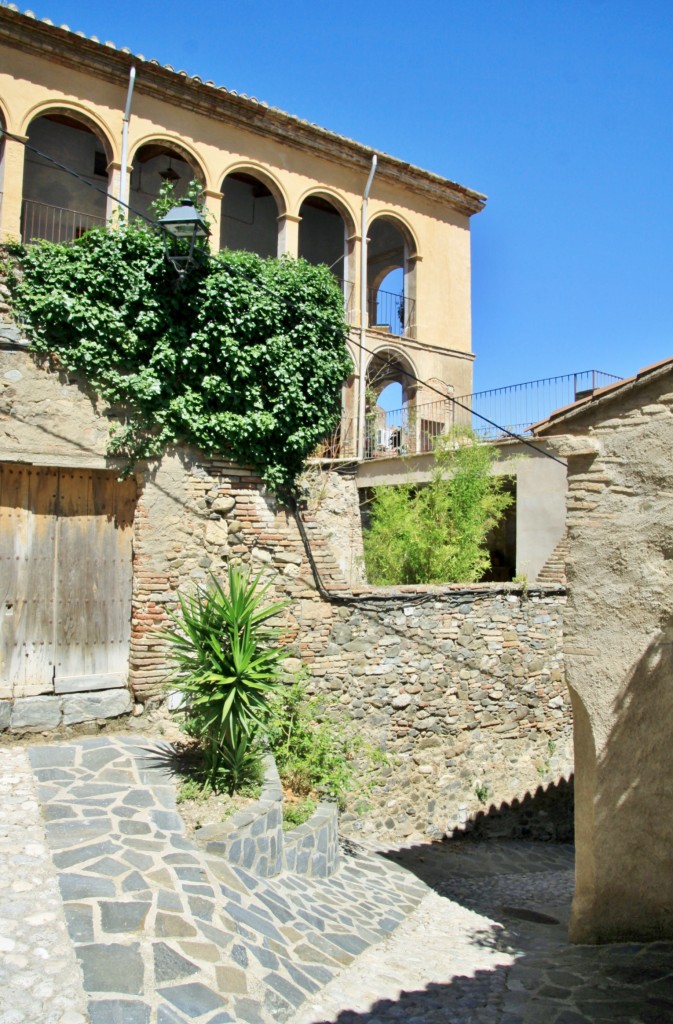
<point>486,589</point>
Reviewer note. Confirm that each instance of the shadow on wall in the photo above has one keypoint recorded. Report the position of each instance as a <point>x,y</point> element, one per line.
<point>633,802</point>
<point>547,815</point>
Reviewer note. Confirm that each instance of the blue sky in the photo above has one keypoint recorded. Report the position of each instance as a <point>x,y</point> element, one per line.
<point>561,111</point>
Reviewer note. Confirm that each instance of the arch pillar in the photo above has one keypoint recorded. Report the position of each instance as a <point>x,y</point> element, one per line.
<point>288,234</point>
<point>114,188</point>
<point>10,212</point>
<point>212,201</point>
<point>411,262</point>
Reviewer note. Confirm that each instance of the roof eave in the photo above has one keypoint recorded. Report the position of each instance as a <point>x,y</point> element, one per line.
<point>163,82</point>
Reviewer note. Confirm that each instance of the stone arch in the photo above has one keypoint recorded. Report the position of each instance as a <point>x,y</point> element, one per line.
<point>403,226</point>
<point>321,239</point>
<point>5,117</point>
<point>267,179</point>
<point>389,364</point>
<point>390,378</point>
<point>156,158</point>
<point>392,257</point>
<point>176,145</point>
<point>335,200</point>
<point>57,205</point>
<point>75,112</point>
<point>252,203</point>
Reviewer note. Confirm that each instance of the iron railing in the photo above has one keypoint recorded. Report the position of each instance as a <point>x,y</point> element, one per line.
<point>54,223</point>
<point>411,430</point>
<point>414,429</point>
<point>387,311</point>
<point>518,406</point>
<point>390,311</point>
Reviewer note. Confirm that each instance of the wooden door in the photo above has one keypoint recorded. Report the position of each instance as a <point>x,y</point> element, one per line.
<point>65,579</point>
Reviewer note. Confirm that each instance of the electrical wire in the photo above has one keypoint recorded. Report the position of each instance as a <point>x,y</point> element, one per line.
<point>69,170</point>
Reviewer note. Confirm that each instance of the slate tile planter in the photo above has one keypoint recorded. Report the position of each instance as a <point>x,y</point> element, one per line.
<point>253,838</point>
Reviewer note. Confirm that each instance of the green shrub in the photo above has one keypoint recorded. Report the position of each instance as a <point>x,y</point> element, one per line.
<point>227,663</point>
<point>295,814</point>
<point>314,755</point>
<point>437,534</point>
<point>192,789</point>
<point>246,358</point>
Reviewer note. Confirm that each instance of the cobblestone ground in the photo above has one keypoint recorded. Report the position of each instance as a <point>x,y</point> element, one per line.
<point>159,933</point>
<point>511,900</point>
<point>39,976</point>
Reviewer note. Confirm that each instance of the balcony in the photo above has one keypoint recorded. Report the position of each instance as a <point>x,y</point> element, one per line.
<point>40,221</point>
<point>414,429</point>
<point>390,312</point>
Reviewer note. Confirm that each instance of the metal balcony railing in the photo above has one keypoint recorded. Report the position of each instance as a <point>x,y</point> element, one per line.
<point>411,430</point>
<point>387,311</point>
<point>414,429</point>
<point>54,223</point>
<point>518,406</point>
<point>390,311</point>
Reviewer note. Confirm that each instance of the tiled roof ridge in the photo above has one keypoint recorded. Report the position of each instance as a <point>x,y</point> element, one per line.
<point>477,198</point>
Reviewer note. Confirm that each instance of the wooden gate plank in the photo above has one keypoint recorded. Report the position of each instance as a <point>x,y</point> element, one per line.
<point>94,579</point>
<point>65,579</point>
<point>13,529</point>
<point>29,520</point>
<point>73,574</point>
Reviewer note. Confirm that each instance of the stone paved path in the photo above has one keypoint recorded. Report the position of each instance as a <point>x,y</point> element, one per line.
<point>160,933</point>
<point>492,949</point>
<point>163,932</point>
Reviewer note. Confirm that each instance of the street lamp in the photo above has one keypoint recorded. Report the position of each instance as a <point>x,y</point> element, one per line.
<point>184,223</point>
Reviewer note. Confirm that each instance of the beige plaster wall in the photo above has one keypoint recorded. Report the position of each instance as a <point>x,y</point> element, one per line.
<point>619,659</point>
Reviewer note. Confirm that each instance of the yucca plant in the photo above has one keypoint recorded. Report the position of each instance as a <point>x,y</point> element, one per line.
<point>227,661</point>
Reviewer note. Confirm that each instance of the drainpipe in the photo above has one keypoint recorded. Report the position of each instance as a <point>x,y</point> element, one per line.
<point>363,310</point>
<point>124,178</point>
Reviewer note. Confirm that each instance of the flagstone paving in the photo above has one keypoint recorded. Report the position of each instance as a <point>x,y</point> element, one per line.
<point>162,931</point>
<point>109,913</point>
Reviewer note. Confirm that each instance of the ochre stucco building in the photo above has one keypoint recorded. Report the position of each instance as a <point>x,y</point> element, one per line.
<point>273,184</point>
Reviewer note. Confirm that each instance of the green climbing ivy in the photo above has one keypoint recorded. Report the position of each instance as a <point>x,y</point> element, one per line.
<point>246,357</point>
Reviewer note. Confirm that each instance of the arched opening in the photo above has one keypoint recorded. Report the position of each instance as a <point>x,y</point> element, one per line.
<point>154,164</point>
<point>390,279</point>
<point>391,426</point>
<point>57,206</point>
<point>323,238</point>
<point>249,215</point>
<point>322,235</point>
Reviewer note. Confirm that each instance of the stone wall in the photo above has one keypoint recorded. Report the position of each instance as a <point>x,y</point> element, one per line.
<point>462,687</point>
<point>619,653</point>
<point>464,690</point>
<point>333,502</point>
